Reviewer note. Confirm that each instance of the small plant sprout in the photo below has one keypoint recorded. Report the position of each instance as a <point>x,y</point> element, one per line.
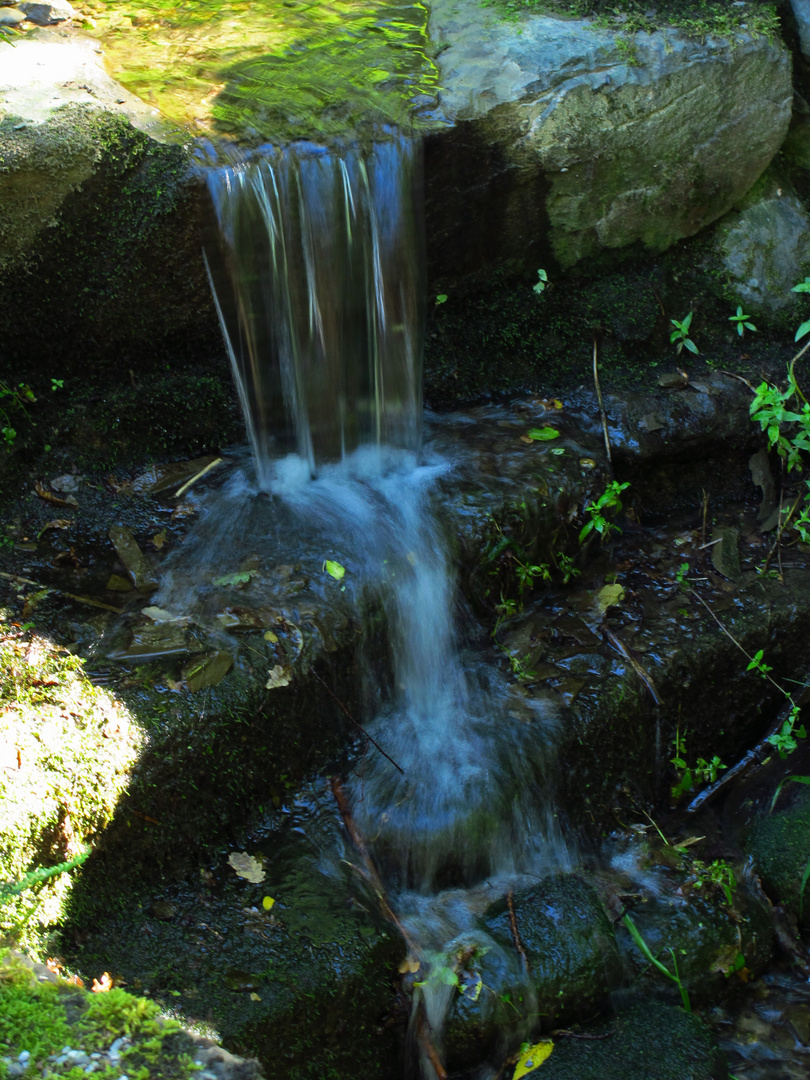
<point>441,298</point>
<point>608,500</point>
<point>740,320</point>
<point>803,286</point>
<point>651,958</point>
<point>679,337</point>
<point>542,281</point>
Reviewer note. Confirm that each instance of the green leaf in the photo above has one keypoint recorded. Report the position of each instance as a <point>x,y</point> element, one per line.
<point>239,578</point>
<point>441,298</point>
<point>803,286</point>
<point>334,569</point>
<point>545,434</point>
<point>691,346</point>
<point>803,329</point>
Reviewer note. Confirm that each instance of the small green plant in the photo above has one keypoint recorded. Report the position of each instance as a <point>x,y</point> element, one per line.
<point>784,740</point>
<point>651,958</point>
<point>775,410</point>
<point>803,286</point>
<point>718,874</point>
<point>565,564</point>
<point>609,500</point>
<point>680,335</point>
<point>57,384</point>
<point>740,320</point>
<point>441,298</point>
<point>702,772</point>
<point>680,576</point>
<point>542,281</point>
<point>15,398</point>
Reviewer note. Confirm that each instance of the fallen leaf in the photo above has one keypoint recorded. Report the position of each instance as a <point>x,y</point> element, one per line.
<point>609,596</point>
<point>334,569</point>
<point>278,676</point>
<point>49,496</point>
<point>255,997</point>
<point>270,636</point>
<point>267,902</point>
<point>58,523</point>
<point>532,1058</point>
<point>102,985</point>
<point>157,614</point>
<point>247,866</point>
<point>543,434</point>
<point>159,539</point>
<point>207,670</point>
<point>409,965</point>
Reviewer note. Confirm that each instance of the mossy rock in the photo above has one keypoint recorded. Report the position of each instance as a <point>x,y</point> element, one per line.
<point>647,1042</point>
<point>780,846</point>
<point>569,942</point>
<point>68,749</point>
<point>40,1014</point>
<point>707,936</point>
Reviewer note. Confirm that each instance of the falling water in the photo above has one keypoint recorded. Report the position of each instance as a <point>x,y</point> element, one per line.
<point>319,293</point>
<point>321,298</point>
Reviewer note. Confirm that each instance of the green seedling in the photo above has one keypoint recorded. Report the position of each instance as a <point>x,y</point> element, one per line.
<point>740,320</point>
<point>680,335</point>
<point>542,281</point>
<point>803,286</point>
<point>608,500</point>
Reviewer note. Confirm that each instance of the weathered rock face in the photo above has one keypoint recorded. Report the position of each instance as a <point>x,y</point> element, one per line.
<point>581,141</point>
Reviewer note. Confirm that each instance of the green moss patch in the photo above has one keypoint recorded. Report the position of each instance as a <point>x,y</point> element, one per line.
<point>42,1017</point>
<point>66,748</point>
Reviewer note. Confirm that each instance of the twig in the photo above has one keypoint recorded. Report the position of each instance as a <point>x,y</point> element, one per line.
<point>358,726</point>
<point>599,397</point>
<point>426,1044</point>
<point>705,512</point>
<point>749,761</point>
<point>197,476</point>
<point>622,649</point>
<point>70,596</point>
<point>370,870</point>
<point>782,526</point>
<point>513,926</point>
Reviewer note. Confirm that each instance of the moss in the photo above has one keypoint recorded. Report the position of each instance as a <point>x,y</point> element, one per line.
<point>67,749</point>
<point>780,845</point>
<point>697,18</point>
<point>42,1017</point>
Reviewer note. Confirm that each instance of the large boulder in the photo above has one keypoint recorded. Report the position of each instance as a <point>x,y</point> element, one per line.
<point>570,140</point>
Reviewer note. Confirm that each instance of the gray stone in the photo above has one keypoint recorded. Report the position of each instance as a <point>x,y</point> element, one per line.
<point>765,247</point>
<point>801,12</point>
<point>591,140</point>
<point>11,16</point>
<point>56,11</point>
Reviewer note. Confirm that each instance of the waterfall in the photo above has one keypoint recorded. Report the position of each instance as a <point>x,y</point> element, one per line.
<point>319,287</point>
<point>320,296</point>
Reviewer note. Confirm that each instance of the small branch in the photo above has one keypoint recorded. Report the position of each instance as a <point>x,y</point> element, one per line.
<point>747,763</point>
<point>197,476</point>
<point>513,926</point>
<point>358,726</point>
<point>782,526</point>
<point>599,397</point>
<point>622,650</point>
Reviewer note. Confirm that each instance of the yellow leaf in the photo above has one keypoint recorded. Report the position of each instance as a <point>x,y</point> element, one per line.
<point>246,866</point>
<point>609,596</point>
<point>530,1059</point>
<point>255,997</point>
<point>270,636</point>
<point>268,902</point>
<point>334,569</point>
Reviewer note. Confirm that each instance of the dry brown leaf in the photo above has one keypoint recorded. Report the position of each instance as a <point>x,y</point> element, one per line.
<point>49,496</point>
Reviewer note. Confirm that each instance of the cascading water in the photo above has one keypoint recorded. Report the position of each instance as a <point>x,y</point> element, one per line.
<point>321,303</point>
<point>319,287</point>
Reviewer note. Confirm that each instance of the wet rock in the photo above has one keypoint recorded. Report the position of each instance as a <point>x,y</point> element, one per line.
<point>649,1041</point>
<point>763,246</point>
<point>567,138</point>
<point>569,943</point>
<point>708,937</point>
<point>139,570</point>
<point>207,670</point>
<point>47,14</point>
<point>801,13</point>
<point>779,844</point>
<point>726,552</point>
<point>11,16</point>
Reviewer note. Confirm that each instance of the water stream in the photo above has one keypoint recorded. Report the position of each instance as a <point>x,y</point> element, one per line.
<point>319,286</point>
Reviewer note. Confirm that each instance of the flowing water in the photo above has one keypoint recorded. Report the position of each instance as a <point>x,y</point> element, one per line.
<point>318,280</point>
